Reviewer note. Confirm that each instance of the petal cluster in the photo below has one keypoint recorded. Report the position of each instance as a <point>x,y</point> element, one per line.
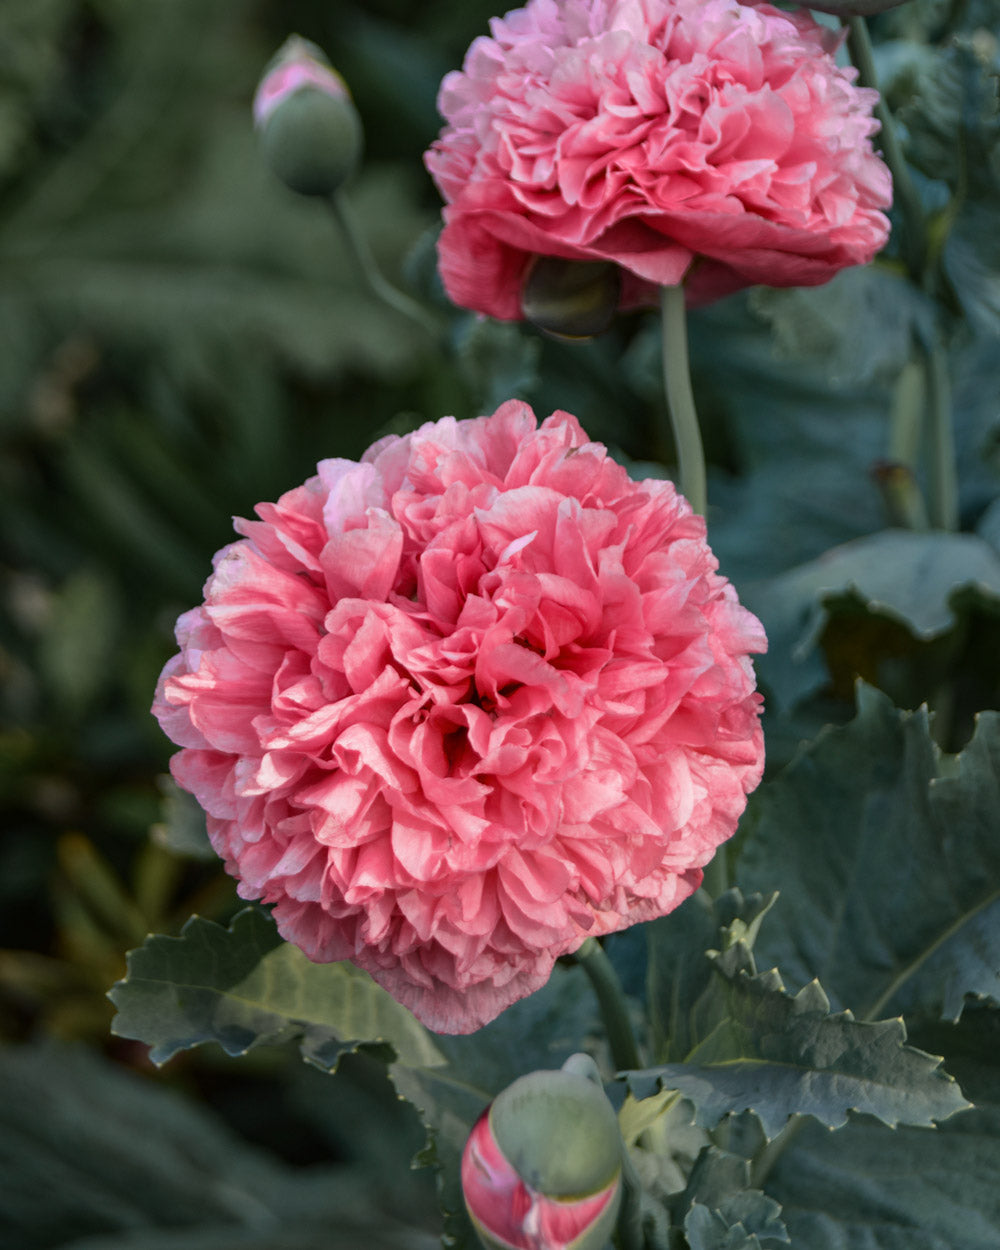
<point>706,141</point>
<point>509,1213</point>
<point>458,706</point>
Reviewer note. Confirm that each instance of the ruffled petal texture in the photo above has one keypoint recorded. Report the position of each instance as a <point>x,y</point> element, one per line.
<point>708,142</point>
<point>457,707</point>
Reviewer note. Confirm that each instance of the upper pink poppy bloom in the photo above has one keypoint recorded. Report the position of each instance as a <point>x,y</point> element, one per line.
<point>461,705</point>
<point>707,142</point>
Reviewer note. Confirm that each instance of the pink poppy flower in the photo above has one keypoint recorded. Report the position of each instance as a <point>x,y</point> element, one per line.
<point>457,707</point>
<point>708,142</point>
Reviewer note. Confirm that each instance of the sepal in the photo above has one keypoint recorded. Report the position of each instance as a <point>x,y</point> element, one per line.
<point>572,299</point>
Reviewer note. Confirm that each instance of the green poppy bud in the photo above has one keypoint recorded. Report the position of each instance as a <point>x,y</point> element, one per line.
<point>571,299</point>
<point>310,132</point>
<point>542,1169</point>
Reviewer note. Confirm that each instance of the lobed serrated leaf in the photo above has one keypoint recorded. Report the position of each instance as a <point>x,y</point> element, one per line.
<point>720,1211</point>
<point>242,987</point>
<point>888,870</point>
<point>732,1227</point>
<point>779,1055</point>
<point>885,1189</point>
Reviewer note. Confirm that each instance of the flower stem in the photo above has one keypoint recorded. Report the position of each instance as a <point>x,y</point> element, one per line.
<point>611,1000</point>
<point>942,477</point>
<point>764,1162</point>
<point>896,477</point>
<point>907,417</point>
<point>629,1225</point>
<point>859,45</point>
<point>369,271</point>
<point>942,486</point>
<point>716,879</point>
<point>680,398</point>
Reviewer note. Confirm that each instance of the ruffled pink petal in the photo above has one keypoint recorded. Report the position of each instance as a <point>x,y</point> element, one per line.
<point>454,709</point>
<point>711,142</point>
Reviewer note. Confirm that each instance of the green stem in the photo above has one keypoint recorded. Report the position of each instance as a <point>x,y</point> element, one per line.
<point>369,271</point>
<point>716,880</point>
<point>680,398</point>
<point>901,496</point>
<point>942,477</point>
<point>629,1224</point>
<point>897,476</point>
<point>859,45</point>
<point>611,1000</point>
<point>942,472</point>
<point>906,422</point>
<point>764,1163</point>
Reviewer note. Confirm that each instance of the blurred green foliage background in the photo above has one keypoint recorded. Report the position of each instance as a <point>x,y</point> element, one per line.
<point>181,338</point>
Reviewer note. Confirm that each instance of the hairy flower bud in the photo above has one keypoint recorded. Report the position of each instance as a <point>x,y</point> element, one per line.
<point>542,1167</point>
<point>310,131</point>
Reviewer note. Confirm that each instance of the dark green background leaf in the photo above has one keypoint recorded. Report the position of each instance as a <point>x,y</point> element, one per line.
<point>887,863</point>
<point>89,1150</point>
<point>912,578</point>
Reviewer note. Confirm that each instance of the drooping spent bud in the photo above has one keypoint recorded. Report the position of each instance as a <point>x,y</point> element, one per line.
<point>542,1169</point>
<point>310,131</point>
<point>573,299</point>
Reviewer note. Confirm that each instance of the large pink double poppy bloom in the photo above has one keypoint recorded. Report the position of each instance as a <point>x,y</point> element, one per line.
<point>457,707</point>
<point>708,142</point>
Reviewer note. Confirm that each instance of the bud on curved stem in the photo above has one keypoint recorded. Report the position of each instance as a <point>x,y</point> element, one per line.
<point>310,132</point>
<point>542,1169</point>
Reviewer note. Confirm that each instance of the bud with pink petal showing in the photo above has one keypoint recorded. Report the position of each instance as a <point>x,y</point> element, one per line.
<point>310,131</point>
<point>542,1169</point>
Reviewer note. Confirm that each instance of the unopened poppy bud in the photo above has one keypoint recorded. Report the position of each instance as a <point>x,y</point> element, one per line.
<point>310,131</point>
<point>573,299</point>
<point>542,1167</point>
